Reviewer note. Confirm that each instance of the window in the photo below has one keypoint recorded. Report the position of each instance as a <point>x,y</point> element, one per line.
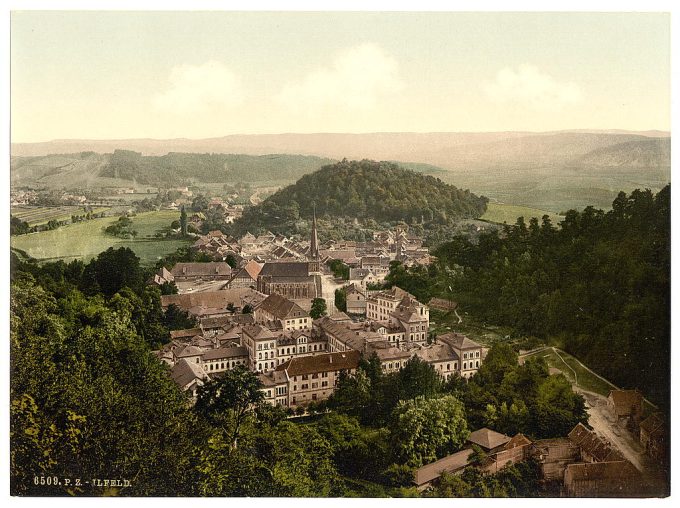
<point>477,363</point>
<point>315,385</point>
<point>304,386</point>
<point>324,384</point>
<point>295,390</point>
<point>464,365</point>
<point>305,377</point>
<point>259,356</point>
<point>314,376</point>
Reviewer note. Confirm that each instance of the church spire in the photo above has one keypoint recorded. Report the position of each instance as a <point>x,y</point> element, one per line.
<point>314,241</point>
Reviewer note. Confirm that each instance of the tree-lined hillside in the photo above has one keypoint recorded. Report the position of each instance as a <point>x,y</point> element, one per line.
<point>381,191</point>
<point>598,287</point>
<point>175,168</point>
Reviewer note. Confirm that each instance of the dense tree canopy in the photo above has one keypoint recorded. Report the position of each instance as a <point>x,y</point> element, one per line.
<point>366,190</point>
<point>599,285</point>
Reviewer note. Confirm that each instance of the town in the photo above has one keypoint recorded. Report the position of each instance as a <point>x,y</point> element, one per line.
<point>258,315</point>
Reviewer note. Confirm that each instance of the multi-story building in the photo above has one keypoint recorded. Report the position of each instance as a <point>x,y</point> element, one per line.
<point>278,308</point>
<point>468,351</point>
<point>314,378</point>
<point>261,345</point>
<point>183,272</point>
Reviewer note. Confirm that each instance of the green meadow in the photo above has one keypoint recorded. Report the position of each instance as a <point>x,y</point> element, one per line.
<point>85,240</point>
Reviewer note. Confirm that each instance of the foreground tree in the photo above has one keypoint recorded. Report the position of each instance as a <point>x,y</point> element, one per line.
<point>88,396</point>
<point>425,430</point>
<point>228,400</point>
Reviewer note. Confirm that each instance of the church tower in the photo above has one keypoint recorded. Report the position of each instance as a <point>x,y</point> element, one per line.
<point>314,261</point>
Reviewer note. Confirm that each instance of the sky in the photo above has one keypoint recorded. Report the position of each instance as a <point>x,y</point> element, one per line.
<point>113,75</point>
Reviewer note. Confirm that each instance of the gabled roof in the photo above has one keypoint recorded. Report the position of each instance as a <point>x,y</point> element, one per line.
<point>285,269</point>
<point>257,332</point>
<point>458,341</point>
<point>184,372</point>
<point>189,332</point>
<point>209,299</point>
<point>625,401</point>
<point>619,470</point>
<point>593,445</point>
<point>321,363</point>
<point>189,351</point>
<point>487,438</point>
<point>653,423</point>
<point>281,307</point>
<point>225,352</point>
<point>201,269</point>
<point>517,441</point>
<point>437,353</point>
<point>449,464</point>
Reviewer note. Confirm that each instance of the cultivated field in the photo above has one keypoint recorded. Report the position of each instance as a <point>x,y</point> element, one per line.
<point>506,213</point>
<point>87,239</point>
<point>36,215</point>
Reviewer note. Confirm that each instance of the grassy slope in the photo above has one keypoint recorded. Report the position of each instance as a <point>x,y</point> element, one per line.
<point>87,239</point>
<point>503,212</point>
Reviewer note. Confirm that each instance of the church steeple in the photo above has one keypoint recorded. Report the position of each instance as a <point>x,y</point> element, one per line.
<point>314,241</point>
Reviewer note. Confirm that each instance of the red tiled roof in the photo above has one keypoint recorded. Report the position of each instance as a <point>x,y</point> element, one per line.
<point>321,363</point>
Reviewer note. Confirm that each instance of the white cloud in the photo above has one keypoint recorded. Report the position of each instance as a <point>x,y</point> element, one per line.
<point>199,88</point>
<point>529,86</point>
<point>356,79</point>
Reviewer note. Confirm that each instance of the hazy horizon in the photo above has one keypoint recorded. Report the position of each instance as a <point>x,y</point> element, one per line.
<point>88,75</point>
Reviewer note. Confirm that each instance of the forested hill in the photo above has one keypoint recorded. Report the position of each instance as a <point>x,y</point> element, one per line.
<point>365,189</point>
<point>175,168</point>
<point>598,286</point>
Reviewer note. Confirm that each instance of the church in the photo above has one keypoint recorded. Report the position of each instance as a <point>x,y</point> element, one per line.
<point>295,280</point>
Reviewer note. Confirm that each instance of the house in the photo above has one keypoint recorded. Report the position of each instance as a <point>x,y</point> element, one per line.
<point>185,334</point>
<point>189,376</point>
<point>276,307</point>
<point>378,265</point>
<point>604,479</point>
<point>356,300</point>
<point>468,351</point>
<point>593,448</point>
<point>443,358</point>
<point>183,272</point>
<point>391,359</point>
<point>626,404</point>
<point>488,440</point>
<point>313,378</point>
<point>363,277</point>
<point>260,343</point>
<point>212,304</point>
<point>162,276</point>
<point>554,455</point>
<point>653,437</point>
<point>246,276</point>
<point>224,358</point>
<point>340,338</point>
<point>518,449</point>
<point>429,474</point>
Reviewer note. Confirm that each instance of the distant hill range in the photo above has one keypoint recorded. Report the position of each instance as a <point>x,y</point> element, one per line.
<point>364,190</point>
<point>447,150</point>
<point>551,170</point>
